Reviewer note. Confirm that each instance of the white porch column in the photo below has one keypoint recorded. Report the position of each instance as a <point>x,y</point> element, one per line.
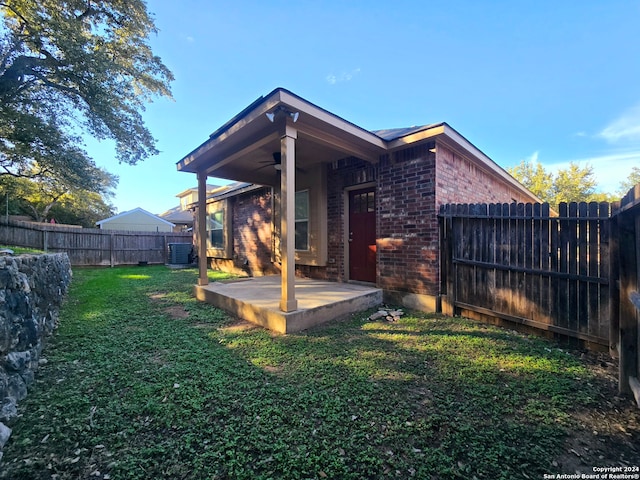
<point>288,300</point>
<point>203,279</point>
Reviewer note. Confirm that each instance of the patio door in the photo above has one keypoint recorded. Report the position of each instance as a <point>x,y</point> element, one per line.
<point>362,235</point>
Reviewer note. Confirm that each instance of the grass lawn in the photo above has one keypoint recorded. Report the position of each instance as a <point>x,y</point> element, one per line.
<point>21,250</point>
<point>143,382</point>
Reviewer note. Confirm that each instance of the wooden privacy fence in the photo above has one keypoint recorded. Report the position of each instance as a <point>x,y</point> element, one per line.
<point>574,273</point>
<point>525,264</point>
<point>91,246</point>
<point>626,233</point>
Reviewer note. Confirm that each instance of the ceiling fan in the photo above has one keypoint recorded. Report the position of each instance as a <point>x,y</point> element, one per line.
<point>277,163</point>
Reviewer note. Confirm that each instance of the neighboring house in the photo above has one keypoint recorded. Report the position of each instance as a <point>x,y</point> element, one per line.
<point>324,198</point>
<point>182,214</point>
<point>136,220</point>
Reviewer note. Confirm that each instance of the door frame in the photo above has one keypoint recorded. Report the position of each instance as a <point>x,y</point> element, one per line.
<point>345,240</point>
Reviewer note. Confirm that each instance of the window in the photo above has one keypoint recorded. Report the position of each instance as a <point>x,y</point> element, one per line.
<point>364,202</point>
<point>216,229</point>
<point>302,220</point>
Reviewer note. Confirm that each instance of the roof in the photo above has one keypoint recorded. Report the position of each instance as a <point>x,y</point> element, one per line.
<point>248,139</point>
<point>390,134</point>
<point>178,215</point>
<point>232,190</point>
<point>186,192</point>
<point>129,212</point>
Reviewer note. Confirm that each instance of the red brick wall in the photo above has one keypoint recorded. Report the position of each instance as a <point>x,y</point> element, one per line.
<point>251,235</point>
<point>252,243</point>
<point>407,223</point>
<point>412,184</point>
<point>458,180</point>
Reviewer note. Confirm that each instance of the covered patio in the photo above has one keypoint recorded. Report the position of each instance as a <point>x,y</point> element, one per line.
<point>257,300</point>
<point>284,142</point>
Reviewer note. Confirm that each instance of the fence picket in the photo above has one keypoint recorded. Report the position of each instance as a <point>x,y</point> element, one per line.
<point>522,263</point>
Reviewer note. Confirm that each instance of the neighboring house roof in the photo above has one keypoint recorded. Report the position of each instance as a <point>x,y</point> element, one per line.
<point>235,189</point>
<point>178,216</point>
<point>188,191</point>
<point>129,212</point>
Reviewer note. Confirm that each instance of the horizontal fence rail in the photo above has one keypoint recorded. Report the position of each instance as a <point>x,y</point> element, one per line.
<point>526,264</point>
<point>91,246</point>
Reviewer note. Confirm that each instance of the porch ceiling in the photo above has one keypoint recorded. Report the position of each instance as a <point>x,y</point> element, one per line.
<point>243,148</point>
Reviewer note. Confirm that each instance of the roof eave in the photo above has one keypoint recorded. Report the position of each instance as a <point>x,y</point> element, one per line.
<point>261,106</point>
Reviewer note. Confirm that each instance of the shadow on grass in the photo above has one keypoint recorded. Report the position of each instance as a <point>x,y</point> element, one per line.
<point>146,392</point>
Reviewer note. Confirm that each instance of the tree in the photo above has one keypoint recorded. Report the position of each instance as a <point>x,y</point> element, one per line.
<point>83,209</point>
<point>45,193</point>
<point>535,178</point>
<point>572,184</point>
<point>75,66</point>
<point>629,183</point>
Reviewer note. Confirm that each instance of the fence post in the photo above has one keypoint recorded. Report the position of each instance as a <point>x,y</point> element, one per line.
<point>165,247</point>
<point>447,298</point>
<point>111,251</point>
<point>45,240</point>
<point>628,323</point>
<point>614,282</point>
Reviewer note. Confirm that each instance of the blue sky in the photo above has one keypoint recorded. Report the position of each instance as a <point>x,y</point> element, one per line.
<point>549,81</point>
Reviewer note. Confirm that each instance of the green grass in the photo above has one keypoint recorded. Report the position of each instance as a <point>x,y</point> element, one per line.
<point>144,382</point>
<point>21,250</point>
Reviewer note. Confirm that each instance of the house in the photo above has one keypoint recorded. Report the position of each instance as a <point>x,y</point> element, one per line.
<point>182,214</point>
<point>326,199</point>
<point>137,220</point>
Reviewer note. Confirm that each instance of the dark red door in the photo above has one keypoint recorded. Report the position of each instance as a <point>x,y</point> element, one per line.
<point>362,235</point>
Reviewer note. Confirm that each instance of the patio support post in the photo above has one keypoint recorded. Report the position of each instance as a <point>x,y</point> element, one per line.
<point>288,300</point>
<point>203,278</point>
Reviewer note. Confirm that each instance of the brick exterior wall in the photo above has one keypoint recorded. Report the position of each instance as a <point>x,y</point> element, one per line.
<point>407,222</point>
<point>458,180</point>
<point>251,235</point>
<point>411,184</point>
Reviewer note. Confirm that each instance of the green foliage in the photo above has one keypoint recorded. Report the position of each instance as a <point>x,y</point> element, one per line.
<point>46,197</point>
<point>142,381</point>
<point>75,66</point>
<point>629,183</point>
<point>571,184</point>
<point>534,177</point>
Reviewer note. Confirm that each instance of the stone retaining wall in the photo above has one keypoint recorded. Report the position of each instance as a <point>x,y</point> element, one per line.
<point>32,288</point>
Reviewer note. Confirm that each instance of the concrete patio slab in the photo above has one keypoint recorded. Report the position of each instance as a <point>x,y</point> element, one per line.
<point>257,300</point>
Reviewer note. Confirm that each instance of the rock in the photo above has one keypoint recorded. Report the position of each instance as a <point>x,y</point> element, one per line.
<point>9,409</point>
<point>18,361</point>
<point>378,314</point>
<point>16,388</point>
<point>32,288</point>
<point>5,433</point>
<point>28,376</point>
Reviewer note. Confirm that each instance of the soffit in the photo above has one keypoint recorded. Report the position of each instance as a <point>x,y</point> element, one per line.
<point>243,148</point>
